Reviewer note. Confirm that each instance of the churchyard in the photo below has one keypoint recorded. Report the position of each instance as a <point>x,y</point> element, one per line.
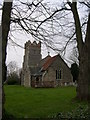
<point>24,102</point>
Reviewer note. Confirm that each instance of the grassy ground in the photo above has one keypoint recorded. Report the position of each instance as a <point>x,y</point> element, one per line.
<point>39,102</point>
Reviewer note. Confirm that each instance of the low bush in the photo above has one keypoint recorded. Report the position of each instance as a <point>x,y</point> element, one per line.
<point>7,116</point>
<point>78,114</point>
<point>13,79</point>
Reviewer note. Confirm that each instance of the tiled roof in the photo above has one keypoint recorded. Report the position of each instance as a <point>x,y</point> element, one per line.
<point>43,61</point>
<point>48,62</point>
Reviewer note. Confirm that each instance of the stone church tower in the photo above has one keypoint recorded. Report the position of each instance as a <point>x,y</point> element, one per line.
<point>31,59</point>
<point>34,53</point>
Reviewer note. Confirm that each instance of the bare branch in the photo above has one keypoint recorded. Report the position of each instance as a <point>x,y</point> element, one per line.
<point>86,4</point>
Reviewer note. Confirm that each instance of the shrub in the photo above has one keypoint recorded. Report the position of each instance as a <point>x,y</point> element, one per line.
<point>78,114</point>
<point>13,79</point>
<point>7,116</point>
<point>75,71</point>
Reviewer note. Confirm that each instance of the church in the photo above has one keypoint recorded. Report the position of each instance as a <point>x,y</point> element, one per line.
<point>47,72</point>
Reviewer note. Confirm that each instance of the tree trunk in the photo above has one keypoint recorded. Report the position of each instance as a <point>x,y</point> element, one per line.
<point>83,92</point>
<point>88,52</point>
<point>6,14</point>
<point>83,80</point>
<point>82,88</point>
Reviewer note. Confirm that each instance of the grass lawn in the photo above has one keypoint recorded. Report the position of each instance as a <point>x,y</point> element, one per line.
<point>39,102</point>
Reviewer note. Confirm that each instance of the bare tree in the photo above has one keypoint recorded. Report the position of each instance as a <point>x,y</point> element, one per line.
<point>52,20</point>
<point>7,6</point>
<point>83,81</point>
<point>74,56</point>
<point>12,67</point>
<point>46,25</point>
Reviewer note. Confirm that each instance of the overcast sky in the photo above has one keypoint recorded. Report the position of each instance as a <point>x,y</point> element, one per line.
<point>15,53</point>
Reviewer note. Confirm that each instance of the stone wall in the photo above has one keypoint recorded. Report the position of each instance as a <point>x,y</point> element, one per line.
<point>50,73</point>
<point>27,78</point>
<point>34,54</point>
<point>59,64</point>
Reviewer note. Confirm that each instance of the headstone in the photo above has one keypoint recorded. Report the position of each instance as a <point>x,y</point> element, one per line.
<point>65,84</point>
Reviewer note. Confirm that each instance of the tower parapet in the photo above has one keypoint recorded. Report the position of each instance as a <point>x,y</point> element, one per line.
<point>34,44</point>
<point>32,53</point>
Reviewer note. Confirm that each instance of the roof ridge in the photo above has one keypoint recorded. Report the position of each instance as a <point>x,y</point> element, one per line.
<point>46,57</point>
<point>48,62</point>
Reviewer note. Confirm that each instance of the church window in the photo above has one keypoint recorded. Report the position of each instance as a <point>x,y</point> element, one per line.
<point>58,74</point>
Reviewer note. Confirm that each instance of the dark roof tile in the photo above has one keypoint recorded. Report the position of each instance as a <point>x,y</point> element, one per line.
<point>48,62</point>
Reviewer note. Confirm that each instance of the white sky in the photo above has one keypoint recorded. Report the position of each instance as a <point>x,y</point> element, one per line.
<point>16,53</point>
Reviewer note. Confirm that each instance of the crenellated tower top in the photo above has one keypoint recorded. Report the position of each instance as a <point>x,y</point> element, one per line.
<point>34,44</point>
<point>33,53</point>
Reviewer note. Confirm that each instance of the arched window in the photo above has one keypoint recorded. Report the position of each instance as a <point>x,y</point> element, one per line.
<point>58,74</point>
